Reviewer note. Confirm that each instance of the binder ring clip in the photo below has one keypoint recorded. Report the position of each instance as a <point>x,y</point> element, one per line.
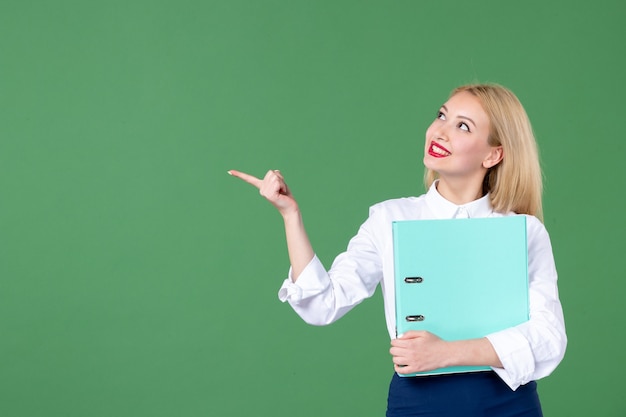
<point>413,280</point>
<point>417,317</point>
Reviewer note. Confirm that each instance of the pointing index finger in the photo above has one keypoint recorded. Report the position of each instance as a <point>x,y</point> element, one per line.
<point>250,179</point>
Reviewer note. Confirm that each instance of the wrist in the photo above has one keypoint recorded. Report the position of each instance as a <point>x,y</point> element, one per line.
<point>448,354</point>
<point>454,353</point>
<point>473,352</point>
<point>291,215</point>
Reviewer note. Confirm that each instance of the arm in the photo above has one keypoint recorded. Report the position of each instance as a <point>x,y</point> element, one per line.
<point>275,190</point>
<point>419,351</point>
<point>534,349</point>
<point>298,244</point>
<point>320,297</point>
<point>519,354</point>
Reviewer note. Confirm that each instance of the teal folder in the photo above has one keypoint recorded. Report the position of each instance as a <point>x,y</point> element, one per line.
<point>460,278</point>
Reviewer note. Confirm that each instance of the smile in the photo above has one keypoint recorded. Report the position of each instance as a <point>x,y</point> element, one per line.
<point>437,151</point>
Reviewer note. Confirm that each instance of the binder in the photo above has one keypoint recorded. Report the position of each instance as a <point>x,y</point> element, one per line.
<point>460,278</point>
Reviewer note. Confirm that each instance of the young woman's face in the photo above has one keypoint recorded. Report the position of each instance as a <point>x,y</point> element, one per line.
<point>456,142</point>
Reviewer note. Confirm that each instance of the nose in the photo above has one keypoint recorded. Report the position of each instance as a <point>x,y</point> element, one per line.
<point>440,131</point>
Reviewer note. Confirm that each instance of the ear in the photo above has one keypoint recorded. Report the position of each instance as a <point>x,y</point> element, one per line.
<point>494,157</point>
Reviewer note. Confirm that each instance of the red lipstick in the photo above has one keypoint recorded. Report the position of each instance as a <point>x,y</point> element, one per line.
<point>437,151</point>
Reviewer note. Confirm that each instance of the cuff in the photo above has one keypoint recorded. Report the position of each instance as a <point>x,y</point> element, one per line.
<point>312,281</point>
<point>289,291</point>
<point>515,355</point>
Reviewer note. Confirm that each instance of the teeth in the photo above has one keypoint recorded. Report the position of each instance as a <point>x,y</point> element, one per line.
<point>439,151</point>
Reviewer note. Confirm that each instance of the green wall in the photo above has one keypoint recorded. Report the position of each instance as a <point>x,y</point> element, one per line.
<point>138,279</point>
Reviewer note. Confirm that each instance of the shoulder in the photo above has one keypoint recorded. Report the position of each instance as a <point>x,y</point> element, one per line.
<point>534,226</point>
<point>398,208</point>
<point>384,213</point>
<point>536,232</point>
<point>535,229</point>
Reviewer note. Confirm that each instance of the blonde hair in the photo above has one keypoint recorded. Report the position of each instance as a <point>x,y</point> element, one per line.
<point>515,184</point>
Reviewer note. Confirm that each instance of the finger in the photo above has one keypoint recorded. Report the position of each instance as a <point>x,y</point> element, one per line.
<point>402,341</point>
<point>274,173</point>
<point>401,369</point>
<point>399,360</point>
<point>250,179</point>
<point>284,187</point>
<point>397,342</point>
<point>275,182</point>
<point>412,334</point>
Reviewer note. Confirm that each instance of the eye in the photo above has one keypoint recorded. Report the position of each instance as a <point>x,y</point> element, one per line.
<point>441,116</point>
<point>463,126</point>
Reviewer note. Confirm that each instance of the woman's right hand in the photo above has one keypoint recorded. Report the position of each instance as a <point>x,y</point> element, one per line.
<point>273,188</point>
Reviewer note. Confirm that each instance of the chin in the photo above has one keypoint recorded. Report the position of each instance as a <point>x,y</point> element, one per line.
<point>430,163</point>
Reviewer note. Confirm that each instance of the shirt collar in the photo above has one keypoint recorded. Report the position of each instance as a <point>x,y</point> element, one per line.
<point>445,209</point>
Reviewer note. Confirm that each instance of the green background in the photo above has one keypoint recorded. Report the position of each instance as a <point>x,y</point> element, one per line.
<point>138,279</point>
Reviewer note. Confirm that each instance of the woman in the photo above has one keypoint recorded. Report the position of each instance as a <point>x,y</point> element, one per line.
<point>481,160</point>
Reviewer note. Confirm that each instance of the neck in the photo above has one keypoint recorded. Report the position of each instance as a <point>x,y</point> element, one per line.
<point>460,192</point>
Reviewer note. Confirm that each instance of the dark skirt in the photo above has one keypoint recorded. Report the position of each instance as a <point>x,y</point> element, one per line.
<point>479,394</point>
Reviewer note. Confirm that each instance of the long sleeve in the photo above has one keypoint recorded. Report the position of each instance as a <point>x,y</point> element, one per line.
<point>321,297</point>
<point>527,352</point>
<point>533,349</point>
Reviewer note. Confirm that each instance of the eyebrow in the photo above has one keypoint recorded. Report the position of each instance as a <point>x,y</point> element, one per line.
<point>461,116</point>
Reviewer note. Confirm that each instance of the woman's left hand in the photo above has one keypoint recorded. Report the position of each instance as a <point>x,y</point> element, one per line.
<point>418,351</point>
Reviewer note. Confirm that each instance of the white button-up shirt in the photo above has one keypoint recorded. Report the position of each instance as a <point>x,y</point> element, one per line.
<point>529,351</point>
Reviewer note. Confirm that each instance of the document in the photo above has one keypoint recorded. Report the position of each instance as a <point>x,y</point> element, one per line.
<point>460,278</point>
